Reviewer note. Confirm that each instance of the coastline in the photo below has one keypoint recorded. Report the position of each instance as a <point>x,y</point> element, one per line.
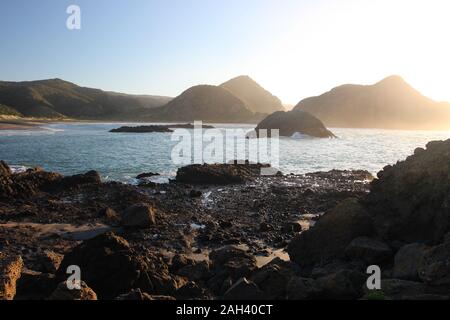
<point>19,124</point>
<point>231,235</point>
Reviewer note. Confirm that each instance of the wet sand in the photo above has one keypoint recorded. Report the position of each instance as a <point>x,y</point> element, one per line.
<point>19,124</point>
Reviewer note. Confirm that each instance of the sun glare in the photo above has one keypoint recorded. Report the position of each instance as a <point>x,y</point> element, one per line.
<point>361,42</point>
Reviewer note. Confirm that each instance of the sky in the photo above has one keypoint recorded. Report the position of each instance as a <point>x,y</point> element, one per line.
<point>293,48</point>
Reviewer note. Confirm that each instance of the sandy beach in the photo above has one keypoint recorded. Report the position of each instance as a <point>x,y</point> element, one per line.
<point>19,124</point>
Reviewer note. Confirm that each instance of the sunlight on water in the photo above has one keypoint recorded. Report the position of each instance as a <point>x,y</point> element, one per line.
<point>79,147</point>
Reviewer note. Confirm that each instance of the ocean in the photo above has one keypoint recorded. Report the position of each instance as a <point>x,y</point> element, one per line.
<point>72,148</point>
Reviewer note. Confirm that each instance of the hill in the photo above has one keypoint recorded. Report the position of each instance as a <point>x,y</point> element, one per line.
<point>56,98</point>
<point>389,104</point>
<point>206,103</point>
<point>256,98</point>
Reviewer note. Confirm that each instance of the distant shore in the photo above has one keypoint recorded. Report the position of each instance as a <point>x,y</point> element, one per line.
<point>19,124</point>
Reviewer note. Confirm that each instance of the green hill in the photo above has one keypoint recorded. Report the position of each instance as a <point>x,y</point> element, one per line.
<point>57,98</point>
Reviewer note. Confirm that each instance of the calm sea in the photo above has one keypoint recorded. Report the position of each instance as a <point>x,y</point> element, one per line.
<point>72,148</point>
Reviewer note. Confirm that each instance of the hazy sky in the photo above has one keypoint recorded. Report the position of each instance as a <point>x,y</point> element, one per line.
<point>293,48</point>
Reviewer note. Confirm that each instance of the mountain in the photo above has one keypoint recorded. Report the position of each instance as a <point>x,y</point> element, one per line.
<point>389,104</point>
<point>295,121</point>
<point>56,98</point>
<point>206,103</point>
<point>256,98</point>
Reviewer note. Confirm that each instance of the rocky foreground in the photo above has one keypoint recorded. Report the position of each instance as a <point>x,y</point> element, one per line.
<point>219,237</point>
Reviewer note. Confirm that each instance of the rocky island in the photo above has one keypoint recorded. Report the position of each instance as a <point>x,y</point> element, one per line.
<point>295,122</point>
<point>156,128</point>
<point>306,236</point>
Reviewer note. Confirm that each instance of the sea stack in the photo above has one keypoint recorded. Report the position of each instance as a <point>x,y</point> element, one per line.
<point>295,121</point>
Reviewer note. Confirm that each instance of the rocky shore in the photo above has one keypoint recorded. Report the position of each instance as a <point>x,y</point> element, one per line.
<point>225,232</point>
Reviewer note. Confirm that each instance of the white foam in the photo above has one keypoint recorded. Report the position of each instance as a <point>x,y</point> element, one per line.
<point>298,135</point>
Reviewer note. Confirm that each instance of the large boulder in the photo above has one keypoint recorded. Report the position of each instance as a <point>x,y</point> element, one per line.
<point>369,250</point>
<point>47,261</point>
<point>76,181</point>
<point>407,261</point>
<point>342,285</point>
<point>219,174</point>
<point>27,184</point>
<point>229,264</point>
<point>292,122</point>
<point>197,271</point>
<point>34,285</point>
<point>111,267</point>
<point>410,201</point>
<point>62,292</point>
<point>273,278</point>
<point>434,267</point>
<point>139,216</point>
<point>329,238</point>
<point>10,272</point>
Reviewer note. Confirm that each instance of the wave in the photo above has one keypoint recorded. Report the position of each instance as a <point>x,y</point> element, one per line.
<point>298,135</point>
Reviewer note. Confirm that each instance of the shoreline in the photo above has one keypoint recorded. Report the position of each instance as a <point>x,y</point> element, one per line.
<point>16,123</point>
<point>225,232</point>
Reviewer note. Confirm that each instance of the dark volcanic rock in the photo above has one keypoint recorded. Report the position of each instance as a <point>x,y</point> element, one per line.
<point>410,201</point>
<point>91,177</point>
<point>108,265</point>
<point>344,284</point>
<point>407,261</point>
<point>65,294</point>
<point>141,129</point>
<point>196,271</point>
<point>34,285</point>
<point>230,263</point>
<point>331,235</point>
<point>219,174</point>
<point>146,175</point>
<point>296,121</point>
<point>273,278</point>
<point>139,216</point>
<point>434,267</point>
<point>368,250</point>
<point>47,261</point>
<point>27,184</point>
<point>157,128</point>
